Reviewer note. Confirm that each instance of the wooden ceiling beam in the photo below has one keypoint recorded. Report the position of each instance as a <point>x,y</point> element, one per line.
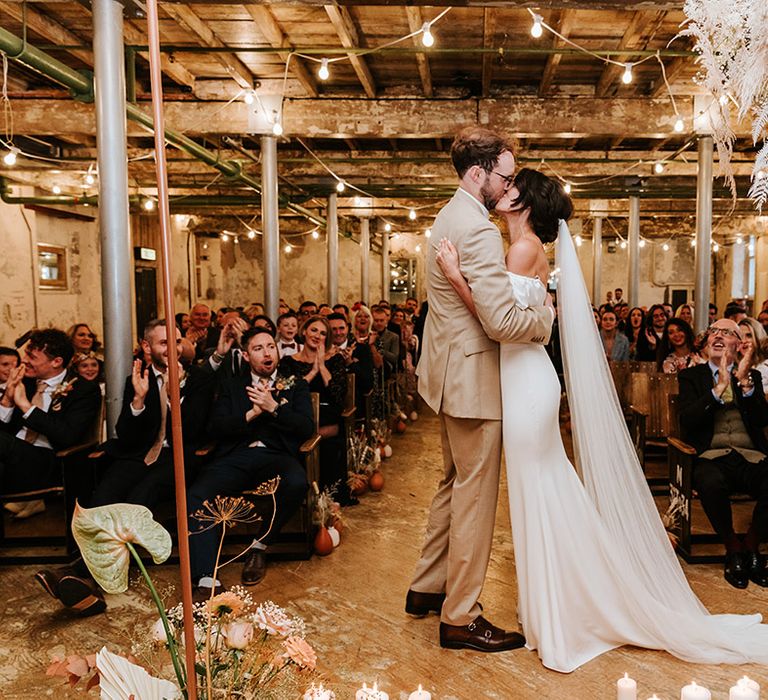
<point>522,4</point>
<point>415,23</point>
<point>672,70</point>
<point>189,20</point>
<point>268,25</point>
<point>563,25</point>
<point>134,34</point>
<point>349,37</point>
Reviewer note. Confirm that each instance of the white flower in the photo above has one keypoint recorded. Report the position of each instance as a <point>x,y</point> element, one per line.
<point>158,631</point>
<point>272,619</point>
<point>238,634</point>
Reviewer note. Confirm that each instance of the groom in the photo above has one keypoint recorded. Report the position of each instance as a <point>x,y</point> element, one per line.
<point>459,379</point>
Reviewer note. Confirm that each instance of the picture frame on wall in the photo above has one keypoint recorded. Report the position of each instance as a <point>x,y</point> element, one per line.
<point>52,266</point>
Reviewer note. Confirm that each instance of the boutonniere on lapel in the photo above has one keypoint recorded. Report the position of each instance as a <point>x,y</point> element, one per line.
<point>283,384</point>
<point>60,392</point>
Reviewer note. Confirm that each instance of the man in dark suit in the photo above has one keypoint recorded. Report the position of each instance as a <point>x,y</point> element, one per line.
<point>390,342</point>
<point>141,469</point>
<point>261,421</point>
<point>722,413</point>
<point>201,333</point>
<point>41,414</point>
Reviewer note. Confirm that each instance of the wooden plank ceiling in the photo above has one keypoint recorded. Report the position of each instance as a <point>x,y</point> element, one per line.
<point>383,120</point>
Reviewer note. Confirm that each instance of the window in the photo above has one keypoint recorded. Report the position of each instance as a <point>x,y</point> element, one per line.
<point>52,266</point>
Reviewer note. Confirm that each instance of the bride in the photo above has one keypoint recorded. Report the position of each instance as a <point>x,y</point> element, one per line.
<point>595,567</point>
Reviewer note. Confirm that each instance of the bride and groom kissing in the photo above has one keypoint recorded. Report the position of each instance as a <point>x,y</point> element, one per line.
<point>595,569</point>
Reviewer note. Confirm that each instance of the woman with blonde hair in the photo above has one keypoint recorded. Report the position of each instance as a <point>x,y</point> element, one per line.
<point>685,312</point>
<point>753,332</point>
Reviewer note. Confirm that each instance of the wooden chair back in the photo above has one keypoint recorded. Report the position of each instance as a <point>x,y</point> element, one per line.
<point>621,373</point>
<point>661,387</point>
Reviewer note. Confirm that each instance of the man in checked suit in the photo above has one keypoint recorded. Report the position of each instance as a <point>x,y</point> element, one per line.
<point>260,420</point>
<point>459,378</point>
<point>41,414</point>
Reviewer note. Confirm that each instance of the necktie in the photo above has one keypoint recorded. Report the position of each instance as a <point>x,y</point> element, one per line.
<point>157,446</point>
<point>37,401</point>
<point>727,396</point>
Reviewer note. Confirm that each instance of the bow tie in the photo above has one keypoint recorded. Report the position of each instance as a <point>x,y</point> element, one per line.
<point>287,345</point>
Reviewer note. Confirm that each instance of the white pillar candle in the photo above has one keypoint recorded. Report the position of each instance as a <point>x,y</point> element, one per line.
<point>695,692</point>
<point>655,697</point>
<point>741,691</point>
<point>420,694</point>
<point>626,688</point>
<point>752,685</point>
<point>315,693</point>
<point>363,693</point>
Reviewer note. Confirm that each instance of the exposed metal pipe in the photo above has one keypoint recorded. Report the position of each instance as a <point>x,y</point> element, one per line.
<point>703,235</point>
<point>597,260</point>
<point>634,251</point>
<point>271,225</point>
<point>332,246</point>
<point>365,252</point>
<point>114,218</point>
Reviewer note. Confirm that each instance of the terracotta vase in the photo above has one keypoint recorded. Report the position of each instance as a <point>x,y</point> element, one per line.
<point>323,542</point>
<point>359,486</point>
<point>376,481</point>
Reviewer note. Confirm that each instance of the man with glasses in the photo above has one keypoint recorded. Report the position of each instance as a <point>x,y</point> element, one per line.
<point>723,412</point>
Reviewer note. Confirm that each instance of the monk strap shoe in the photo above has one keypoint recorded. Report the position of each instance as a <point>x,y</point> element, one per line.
<point>479,635</point>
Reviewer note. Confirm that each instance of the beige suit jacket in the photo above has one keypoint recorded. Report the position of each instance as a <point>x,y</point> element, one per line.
<point>459,366</point>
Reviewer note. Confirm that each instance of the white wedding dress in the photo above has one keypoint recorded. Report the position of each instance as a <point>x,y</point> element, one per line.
<point>595,568</point>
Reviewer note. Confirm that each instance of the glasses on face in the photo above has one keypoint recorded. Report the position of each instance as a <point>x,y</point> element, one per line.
<point>509,180</point>
<point>725,332</point>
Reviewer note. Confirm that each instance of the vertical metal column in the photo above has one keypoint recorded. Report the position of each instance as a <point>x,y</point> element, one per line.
<point>332,243</point>
<point>597,260</point>
<point>270,224</point>
<point>365,251</point>
<point>385,278</point>
<point>703,234</point>
<point>114,222</point>
<point>634,251</point>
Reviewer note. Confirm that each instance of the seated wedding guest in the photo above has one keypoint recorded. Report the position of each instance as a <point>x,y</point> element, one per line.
<point>140,457</point>
<point>622,312</point>
<point>712,314</point>
<point>261,420</point>
<point>409,355</point>
<point>41,413</point>
<point>263,321</point>
<point>754,334</point>
<point>762,319</point>
<point>182,322</point>
<point>390,342</point>
<point>253,310</point>
<point>324,310</point>
<point>677,348</point>
<point>9,359</point>
<point>200,332</point>
<point>723,415</point>
<point>306,309</point>
<point>282,307</point>
<point>323,367</point>
<point>341,309</point>
<point>220,315</point>
<point>615,343</point>
<point>83,338</point>
<point>633,328</point>
<point>357,358</point>
<point>287,332</point>
<point>668,310</point>
<point>411,307</point>
<point>734,312</point>
<point>685,312</point>
<point>228,359</point>
<point>87,366</point>
<point>648,341</point>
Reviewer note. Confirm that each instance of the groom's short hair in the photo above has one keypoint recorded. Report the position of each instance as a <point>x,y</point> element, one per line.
<point>477,146</point>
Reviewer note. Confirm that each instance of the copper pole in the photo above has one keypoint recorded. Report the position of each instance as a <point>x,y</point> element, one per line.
<point>173,363</point>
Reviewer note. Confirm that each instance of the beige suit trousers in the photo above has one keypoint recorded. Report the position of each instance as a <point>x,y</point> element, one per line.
<point>457,544</point>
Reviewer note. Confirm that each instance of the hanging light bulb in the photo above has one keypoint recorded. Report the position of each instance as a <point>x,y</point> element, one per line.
<point>739,240</point>
<point>567,187</point>
<point>236,240</point>
<point>56,189</point>
<point>249,97</point>
<point>89,179</point>
<point>340,186</point>
<point>428,233</point>
<point>288,248</point>
<point>387,227</point>
<point>693,242</point>
<point>224,237</point>
<point>412,214</point>
<point>665,247</point>
<point>315,235</point>
<point>715,248</point>
<point>658,168</point>
<point>10,157</point>
<point>427,38</point>
<point>323,73</point>
<point>642,243</point>
<point>578,240</point>
<point>536,29</point>
<point>623,245</point>
<point>205,246</point>
<point>723,100</point>
<point>251,234</point>
<point>277,128</point>
<point>626,77</point>
<point>149,204</point>
<point>418,247</point>
<point>679,125</point>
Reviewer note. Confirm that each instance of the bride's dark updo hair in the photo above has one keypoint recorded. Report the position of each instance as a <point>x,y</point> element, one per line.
<point>546,200</point>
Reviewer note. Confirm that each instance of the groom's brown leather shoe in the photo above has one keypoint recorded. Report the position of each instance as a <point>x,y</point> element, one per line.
<point>421,604</point>
<point>479,635</point>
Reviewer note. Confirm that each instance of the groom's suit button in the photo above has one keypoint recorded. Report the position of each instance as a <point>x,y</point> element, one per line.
<point>479,635</point>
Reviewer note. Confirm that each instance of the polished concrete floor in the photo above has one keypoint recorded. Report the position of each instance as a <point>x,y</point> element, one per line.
<point>352,602</point>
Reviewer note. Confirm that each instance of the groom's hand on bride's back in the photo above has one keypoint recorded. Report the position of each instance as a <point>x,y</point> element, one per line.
<point>550,304</point>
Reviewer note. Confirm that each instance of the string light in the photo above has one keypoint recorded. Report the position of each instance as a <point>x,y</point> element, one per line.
<point>658,168</point>
<point>665,247</point>
<point>715,247</point>
<point>277,128</point>
<point>428,233</point>
<point>224,237</point>
<point>693,242</point>
<point>205,246</point>
<point>10,157</point>
<point>235,240</point>
<point>387,227</point>
<point>723,100</point>
<point>642,243</point>
<point>427,38</point>
<point>288,248</point>
<point>56,189</point>
<point>149,204</point>
<point>567,187</point>
<point>578,240</point>
<point>89,179</point>
<point>418,247</point>
<point>679,125</point>
<point>412,214</point>
<point>340,186</point>
<point>623,245</point>
<point>251,234</point>
<point>249,97</point>
<point>315,235</point>
<point>626,77</point>
<point>739,240</point>
<point>323,73</point>
<point>536,29</point>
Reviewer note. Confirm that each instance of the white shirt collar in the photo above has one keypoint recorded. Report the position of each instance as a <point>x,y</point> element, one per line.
<point>716,367</point>
<point>477,202</point>
<point>55,381</point>
<point>255,378</point>
<point>343,346</point>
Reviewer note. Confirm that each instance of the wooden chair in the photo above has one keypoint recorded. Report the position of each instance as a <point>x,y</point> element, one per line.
<point>681,458</point>
<point>636,419</point>
<point>74,484</point>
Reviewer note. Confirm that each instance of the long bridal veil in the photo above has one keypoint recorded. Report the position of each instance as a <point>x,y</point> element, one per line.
<point>641,552</point>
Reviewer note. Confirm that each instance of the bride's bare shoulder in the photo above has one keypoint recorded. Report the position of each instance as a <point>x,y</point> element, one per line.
<point>525,256</point>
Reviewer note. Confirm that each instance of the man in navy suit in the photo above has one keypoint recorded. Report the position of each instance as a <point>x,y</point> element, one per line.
<point>260,421</point>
